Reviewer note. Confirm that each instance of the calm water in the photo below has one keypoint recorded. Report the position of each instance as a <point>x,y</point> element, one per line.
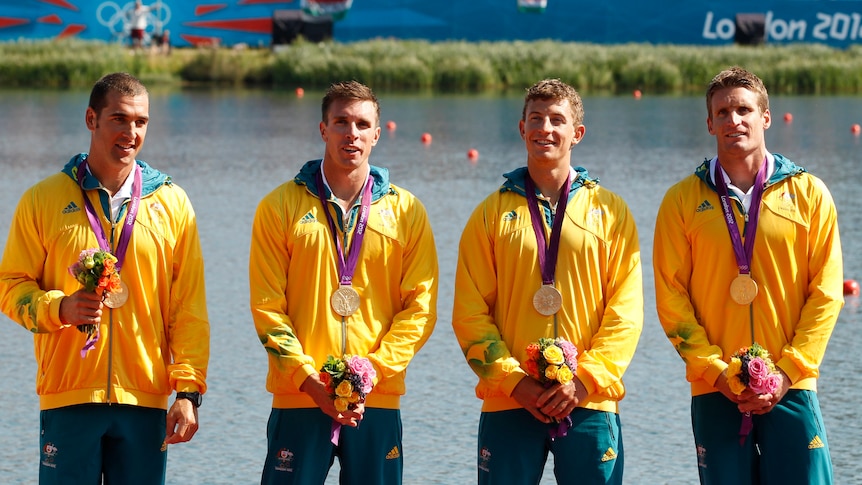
<point>227,149</point>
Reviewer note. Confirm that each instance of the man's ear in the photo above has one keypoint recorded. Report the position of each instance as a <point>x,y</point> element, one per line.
<point>90,119</point>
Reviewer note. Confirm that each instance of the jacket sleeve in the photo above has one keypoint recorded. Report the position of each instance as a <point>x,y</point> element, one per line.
<point>413,324</point>
<point>475,297</point>
<point>802,357</point>
<point>269,260</point>
<point>188,324</point>
<point>612,348</point>
<point>23,268</point>
<point>672,264</point>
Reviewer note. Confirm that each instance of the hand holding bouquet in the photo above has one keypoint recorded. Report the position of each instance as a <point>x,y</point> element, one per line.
<point>96,271</point>
<point>348,380</point>
<point>553,361</point>
<point>752,368</point>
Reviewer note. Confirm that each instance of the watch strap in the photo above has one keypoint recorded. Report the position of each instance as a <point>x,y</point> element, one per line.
<point>194,397</point>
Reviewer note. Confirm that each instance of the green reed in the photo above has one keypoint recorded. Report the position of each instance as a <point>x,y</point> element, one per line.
<point>411,65</point>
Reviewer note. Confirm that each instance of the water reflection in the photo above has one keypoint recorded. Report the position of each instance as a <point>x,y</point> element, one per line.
<point>228,148</point>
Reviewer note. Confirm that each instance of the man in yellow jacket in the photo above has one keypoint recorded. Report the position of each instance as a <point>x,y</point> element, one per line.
<point>747,252</point>
<point>551,255</point>
<point>109,357</point>
<point>342,262</point>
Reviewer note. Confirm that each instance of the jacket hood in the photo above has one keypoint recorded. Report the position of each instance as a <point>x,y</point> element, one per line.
<point>515,181</point>
<point>308,174</point>
<point>784,168</point>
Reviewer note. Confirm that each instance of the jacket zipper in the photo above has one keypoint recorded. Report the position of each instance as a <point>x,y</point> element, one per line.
<point>110,327</point>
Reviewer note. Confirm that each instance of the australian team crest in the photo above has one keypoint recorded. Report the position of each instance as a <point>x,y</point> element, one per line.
<point>284,460</point>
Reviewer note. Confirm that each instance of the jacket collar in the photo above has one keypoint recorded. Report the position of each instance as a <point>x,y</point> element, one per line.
<point>151,179</point>
<point>308,175</point>
<point>515,181</point>
<point>784,168</point>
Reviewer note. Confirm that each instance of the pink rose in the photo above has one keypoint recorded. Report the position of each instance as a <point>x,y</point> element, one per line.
<point>570,352</point>
<point>362,367</point>
<point>766,385</point>
<point>757,385</point>
<point>757,369</point>
<point>773,381</point>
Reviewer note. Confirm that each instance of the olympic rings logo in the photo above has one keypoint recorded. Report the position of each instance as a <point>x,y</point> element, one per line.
<point>118,19</point>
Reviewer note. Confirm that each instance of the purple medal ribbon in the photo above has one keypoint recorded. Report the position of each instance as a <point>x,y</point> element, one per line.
<point>548,259</point>
<point>561,428</point>
<point>125,237</point>
<point>346,268</point>
<point>547,253</point>
<point>743,252</point>
<point>131,213</point>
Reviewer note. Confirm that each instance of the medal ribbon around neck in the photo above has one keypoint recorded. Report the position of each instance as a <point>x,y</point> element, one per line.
<point>547,252</point>
<point>131,213</point>
<point>347,267</point>
<point>744,252</point>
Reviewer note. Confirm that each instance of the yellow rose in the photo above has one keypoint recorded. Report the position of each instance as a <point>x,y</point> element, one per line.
<point>341,404</point>
<point>551,372</point>
<point>553,355</point>
<point>344,389</point>
<point>736,385</point>
<point>564,375</point>
<point>734,367</point>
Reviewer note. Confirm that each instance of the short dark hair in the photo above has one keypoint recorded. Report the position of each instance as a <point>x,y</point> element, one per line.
<point>354,90</point>
<point>558,90</point>
<point>120,82</point>
<point>737,77</point>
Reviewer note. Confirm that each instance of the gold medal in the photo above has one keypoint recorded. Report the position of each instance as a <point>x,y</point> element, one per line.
<point>743,289</point>
<point>345,301</point>
<point>116,299</point>
<point>547,300</point>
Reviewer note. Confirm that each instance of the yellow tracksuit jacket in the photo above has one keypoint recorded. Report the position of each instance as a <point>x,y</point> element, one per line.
<point>158,342</point>
<point>598,273</point>
<point>293,272</point>
<point>797,265</point>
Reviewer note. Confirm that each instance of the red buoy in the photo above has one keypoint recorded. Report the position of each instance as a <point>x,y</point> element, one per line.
<point>637,94</point>
<point>300,92</point>
<point>856,129</point>
<point>473,154</point>
<point>426,138</point>
<point>390,125</point>
<point>788,118</point>
<point>851,287</point>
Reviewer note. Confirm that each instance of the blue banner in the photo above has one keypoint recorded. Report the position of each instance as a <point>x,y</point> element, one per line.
<point>191,22</point>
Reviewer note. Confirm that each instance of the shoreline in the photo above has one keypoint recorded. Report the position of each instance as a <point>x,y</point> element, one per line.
<point>438,67</point>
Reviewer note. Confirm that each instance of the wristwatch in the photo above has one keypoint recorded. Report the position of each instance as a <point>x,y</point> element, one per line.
<point>194,397</point>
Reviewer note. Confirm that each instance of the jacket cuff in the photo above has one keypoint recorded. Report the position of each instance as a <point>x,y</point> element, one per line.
<point>54,323</point>
<point>789,367</point>
<point>302,374</point>
<point>188,387</point>
<point>587,380</point>
<point>714,370</point>
<point>511,381</point>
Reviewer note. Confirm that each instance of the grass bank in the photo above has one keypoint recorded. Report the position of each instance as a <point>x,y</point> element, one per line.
<point>391,65</point>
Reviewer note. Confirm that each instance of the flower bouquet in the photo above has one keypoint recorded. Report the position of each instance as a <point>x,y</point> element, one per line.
<point>348,381</point>
<point>96,271</point>
<point>553,361</point>
<point>751,368</point>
